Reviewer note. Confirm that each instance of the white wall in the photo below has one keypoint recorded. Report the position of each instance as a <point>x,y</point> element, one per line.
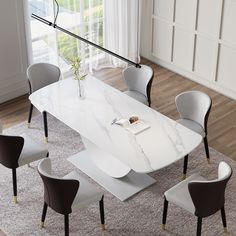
<point>196,38</point>
<point>13,53</point>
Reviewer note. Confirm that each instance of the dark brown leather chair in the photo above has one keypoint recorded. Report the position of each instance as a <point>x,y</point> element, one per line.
<point>199,196</point>
<point>68,194</point>
<point>16,151</point>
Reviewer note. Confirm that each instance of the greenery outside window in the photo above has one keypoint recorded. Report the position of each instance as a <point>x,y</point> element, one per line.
<point>82,17</point>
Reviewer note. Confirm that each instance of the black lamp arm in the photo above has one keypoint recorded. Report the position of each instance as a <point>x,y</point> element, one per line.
<point>54,25</point>
<point>58,8</point>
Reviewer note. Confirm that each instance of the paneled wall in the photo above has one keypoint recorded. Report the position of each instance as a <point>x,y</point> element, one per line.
<point>196,38</point>
<point>13,53</point>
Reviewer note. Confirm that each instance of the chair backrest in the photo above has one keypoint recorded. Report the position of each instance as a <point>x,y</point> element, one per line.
<point>41,75</point>
<point>194,105</point>
<point>209,196</point>
<point>139,79</point>
<point>10,150</point>
<point>59,193</point>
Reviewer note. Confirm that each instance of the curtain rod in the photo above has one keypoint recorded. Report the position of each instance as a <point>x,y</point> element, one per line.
<point>54,25</point>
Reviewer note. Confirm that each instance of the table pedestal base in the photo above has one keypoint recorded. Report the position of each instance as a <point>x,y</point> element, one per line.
<point>122,188</point>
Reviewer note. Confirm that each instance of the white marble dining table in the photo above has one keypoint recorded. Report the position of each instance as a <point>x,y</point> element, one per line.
<point>114,157</point>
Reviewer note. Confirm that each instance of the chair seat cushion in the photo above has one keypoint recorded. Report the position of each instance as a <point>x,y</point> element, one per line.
<point>87,192</point>
<point>179,194</point>
<point>193,126</point>
<point>31,151</point>
<point>137,96</point>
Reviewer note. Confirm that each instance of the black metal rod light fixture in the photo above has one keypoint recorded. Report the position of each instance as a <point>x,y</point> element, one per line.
<point>54,25</point>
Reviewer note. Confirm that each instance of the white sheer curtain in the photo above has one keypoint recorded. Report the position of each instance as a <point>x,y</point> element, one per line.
<point>122,30</point>
<point>82,17</point>
<point>113,24</point>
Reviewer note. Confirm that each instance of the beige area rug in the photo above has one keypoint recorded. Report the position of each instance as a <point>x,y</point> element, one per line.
<point>141,215</point>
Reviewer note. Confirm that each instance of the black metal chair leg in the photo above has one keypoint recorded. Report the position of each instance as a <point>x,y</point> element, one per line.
<point>45,207</point>
<point>66,220</point>
<point>185,166</point>
<point>223,217</point>
<point>207,149</point>
<point>102,215</point>
<point>164,214</point>
<point>199,226</point>
<point>30,114</point>
<point>45,126</point>
<point>14,181</point>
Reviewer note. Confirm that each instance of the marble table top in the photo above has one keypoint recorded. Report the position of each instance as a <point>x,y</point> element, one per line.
<point>164,143</point>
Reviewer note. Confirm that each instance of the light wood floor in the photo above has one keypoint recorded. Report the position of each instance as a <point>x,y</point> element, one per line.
<point>166,85</point>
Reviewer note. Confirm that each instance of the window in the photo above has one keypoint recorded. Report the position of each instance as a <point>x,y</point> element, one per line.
<point>82,17</point>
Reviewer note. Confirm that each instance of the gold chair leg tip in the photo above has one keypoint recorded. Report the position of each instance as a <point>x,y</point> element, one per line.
<point>46,139</point>
<point>184,177</point>
<point>103,227</point>
<point>28,125</point>
<point>208,160</point>
<point>15,199</point>
<point>28,165</point>
<point>226,230</point>
<point>41,225</point>
<point>163,227</point>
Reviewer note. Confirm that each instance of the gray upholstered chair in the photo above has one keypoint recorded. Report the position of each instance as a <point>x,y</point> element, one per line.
<point>200,196</point>
<point>16,151</point>
<point>68,194</point>
<point>139,83</point>
<point>39,76</point>
<point>194,109</point>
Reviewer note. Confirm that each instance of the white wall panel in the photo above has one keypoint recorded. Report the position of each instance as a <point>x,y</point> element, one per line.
<point>227,68</point>
<point>164,9</point>
<point>183,48</point>
<point>209,17</point>
<point>229,21</point>
<point>10,59</point>
<point>200,38</point>
<point>186,13</point>
<point>13,53</point>
<point>205,58</point>
<point>162,39</point>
